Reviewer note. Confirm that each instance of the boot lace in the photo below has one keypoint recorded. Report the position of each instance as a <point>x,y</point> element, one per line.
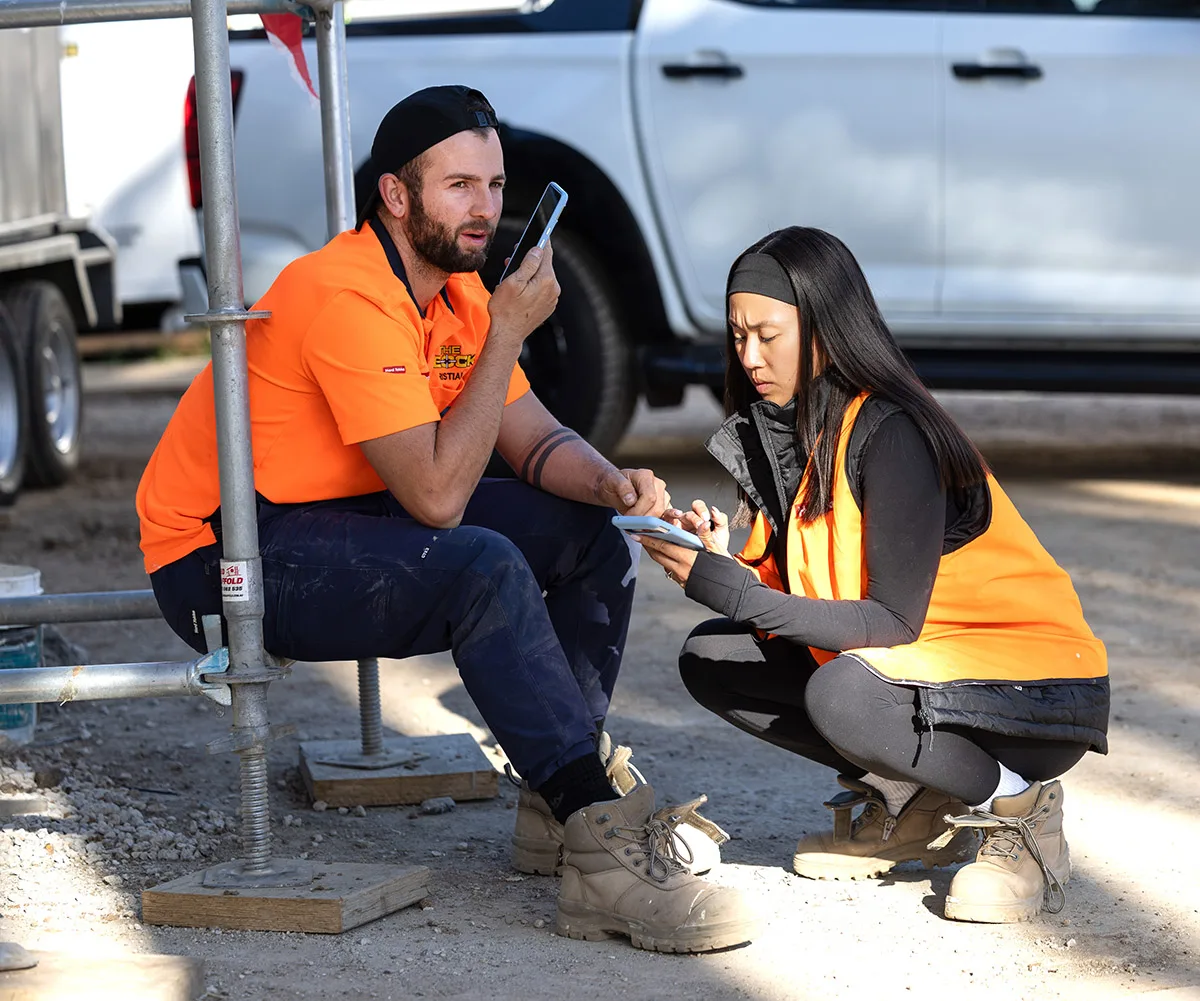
<point>1004,839</point>
<point>658,846</point>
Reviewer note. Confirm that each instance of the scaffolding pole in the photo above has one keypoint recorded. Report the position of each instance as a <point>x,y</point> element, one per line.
<point>340,214</point>
<point>335,119</point>
<point>119,681</point>
<point>250,671</point>
<point>94,606</point>
<point>51,13</point>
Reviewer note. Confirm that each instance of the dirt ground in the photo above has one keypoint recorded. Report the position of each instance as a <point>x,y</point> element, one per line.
<point>1111,485</point>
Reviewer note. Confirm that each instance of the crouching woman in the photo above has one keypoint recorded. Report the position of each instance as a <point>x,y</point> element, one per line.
<point>891,616</point>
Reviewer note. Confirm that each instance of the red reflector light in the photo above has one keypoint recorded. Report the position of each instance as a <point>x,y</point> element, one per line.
<point>191,133</point>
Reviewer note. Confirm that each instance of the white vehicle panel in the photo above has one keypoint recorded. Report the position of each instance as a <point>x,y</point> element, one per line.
<point>122,96</point>
<point>834,124</point>
<point>1072,196</point>
<point>517,72</point>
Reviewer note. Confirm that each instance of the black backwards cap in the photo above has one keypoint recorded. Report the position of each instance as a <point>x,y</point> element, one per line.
<point>762,275</point>
<point>419,122</point>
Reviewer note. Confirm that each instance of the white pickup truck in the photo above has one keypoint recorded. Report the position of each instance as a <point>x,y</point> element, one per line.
<point>1018,177</point>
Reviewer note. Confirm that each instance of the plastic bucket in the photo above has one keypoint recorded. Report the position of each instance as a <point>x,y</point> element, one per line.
<point>20,646</point>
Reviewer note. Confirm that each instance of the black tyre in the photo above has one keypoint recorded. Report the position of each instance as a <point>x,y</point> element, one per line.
<point>13,411</point>
<point>579,362</point>
<point>55,397</point>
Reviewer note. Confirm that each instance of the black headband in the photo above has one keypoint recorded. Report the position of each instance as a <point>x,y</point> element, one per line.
<point>420,122</point>
<point>761,274</point>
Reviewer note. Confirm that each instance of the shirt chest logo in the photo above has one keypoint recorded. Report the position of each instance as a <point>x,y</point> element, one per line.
<point>395,369</point>
<point>452,363</point>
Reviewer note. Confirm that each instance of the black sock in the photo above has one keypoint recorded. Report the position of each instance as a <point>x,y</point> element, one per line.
<point>577,784</point>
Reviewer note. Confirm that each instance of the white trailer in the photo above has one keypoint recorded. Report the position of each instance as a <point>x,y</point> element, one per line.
<point>56,273</point>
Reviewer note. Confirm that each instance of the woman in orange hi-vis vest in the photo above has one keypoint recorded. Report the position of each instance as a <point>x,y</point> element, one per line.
<point>891,616</point>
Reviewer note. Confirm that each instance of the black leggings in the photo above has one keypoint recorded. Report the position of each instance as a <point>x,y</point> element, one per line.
<point>843,715</point>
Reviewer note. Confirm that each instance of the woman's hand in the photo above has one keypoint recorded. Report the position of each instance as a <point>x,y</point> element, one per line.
<point>712,528</point>
<point>675,560</point>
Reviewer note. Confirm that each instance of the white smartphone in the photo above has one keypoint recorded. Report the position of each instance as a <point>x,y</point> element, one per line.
<point>647,525</point>
<point>541,224</point>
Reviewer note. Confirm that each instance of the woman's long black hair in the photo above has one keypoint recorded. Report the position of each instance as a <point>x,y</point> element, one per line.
<point>840,319</point>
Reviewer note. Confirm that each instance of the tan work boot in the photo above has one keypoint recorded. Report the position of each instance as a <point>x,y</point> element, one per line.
<point>874,842</point>
<point>1023,862</point>
<point>622,876</point>
<point>702,837</point>
<point>537,836</point>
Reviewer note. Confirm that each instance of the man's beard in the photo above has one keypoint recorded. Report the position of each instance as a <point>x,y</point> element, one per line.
<point>438,244</point>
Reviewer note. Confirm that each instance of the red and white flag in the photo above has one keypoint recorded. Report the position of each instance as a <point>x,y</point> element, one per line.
<point>285,32</point>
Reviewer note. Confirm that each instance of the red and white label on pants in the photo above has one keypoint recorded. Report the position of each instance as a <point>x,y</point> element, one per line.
<point>233,581</point>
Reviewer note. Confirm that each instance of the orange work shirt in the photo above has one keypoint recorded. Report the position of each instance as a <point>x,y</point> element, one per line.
<point>346,356</point>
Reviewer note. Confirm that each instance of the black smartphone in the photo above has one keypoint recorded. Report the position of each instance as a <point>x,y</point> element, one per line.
<point>541,224</point>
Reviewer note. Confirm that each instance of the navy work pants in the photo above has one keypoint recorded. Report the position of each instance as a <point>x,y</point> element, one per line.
<point>532,595</point>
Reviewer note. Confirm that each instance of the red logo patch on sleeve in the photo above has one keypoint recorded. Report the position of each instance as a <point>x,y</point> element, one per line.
<point>395,369</point>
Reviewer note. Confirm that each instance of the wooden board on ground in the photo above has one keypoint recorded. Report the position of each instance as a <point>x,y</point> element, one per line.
<point>448,765</point>
<point>64,976</point>
<point>342,895</point>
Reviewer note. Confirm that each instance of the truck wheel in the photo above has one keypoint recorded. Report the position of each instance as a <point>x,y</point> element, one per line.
<point>44,320</point>
<point>13,410</point>
<point>579,362</point>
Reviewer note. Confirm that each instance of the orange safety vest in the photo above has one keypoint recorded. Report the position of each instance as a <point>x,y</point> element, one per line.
<point>1001,610</point>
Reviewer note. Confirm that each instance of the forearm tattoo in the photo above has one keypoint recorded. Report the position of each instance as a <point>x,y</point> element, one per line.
<point>535,461</point>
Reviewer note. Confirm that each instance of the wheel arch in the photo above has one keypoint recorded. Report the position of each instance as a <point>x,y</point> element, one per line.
<point>599,215</point>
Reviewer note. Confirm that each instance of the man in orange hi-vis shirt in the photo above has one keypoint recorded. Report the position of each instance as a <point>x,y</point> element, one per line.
<point>379,386</point>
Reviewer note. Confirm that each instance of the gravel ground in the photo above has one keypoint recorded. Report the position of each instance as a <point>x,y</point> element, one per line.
<point>131,799</point>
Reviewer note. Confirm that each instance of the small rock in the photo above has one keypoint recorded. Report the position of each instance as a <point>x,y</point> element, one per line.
<point>320,806</point>
<point>113,880</point>
<point>462,846</point>
<point>1071,943</point>
<point>438,804</point>
<point>539,923</point>
<point>343,810</point>
<point>360,811</point>
<point>318,838</point>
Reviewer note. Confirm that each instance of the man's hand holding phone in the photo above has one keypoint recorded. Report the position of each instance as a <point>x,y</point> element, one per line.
<point>526,298</point>
<point>528,290</point>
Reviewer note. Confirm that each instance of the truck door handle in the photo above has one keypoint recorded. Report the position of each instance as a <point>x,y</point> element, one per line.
<point>1013,71</point>
<point>721,71</point>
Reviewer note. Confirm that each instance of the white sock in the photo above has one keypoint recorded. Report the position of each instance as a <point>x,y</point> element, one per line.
<point>1010,784</point>
<point>895,794</point>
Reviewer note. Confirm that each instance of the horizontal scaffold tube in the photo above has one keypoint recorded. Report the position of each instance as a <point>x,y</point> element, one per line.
<point>41,13</point>
<point>87,682</point>
<point>95,606</point>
